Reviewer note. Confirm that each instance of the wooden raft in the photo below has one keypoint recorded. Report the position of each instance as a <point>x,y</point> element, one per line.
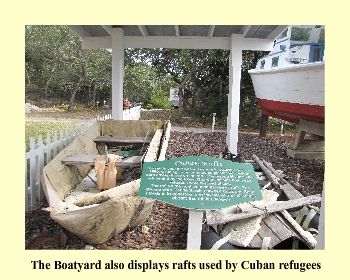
<point>275,225</point>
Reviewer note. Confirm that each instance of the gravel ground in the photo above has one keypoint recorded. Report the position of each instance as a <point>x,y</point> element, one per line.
<point>166,227</point>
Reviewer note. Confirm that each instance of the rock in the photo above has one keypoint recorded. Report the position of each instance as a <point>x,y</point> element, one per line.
<point>29,107</point>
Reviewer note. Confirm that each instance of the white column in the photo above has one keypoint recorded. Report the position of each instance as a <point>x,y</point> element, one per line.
<point>117,72</point>
<point>234,93</point>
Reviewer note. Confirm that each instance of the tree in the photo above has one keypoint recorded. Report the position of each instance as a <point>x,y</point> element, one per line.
<point>139,82</point>
<point>187,68</point>
<point>54,56</point>
<point>98,74</point>
<point>249,108</point>
<point>206,73</point>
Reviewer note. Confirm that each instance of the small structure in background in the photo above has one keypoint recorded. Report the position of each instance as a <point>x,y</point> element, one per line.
<point>174,97</point>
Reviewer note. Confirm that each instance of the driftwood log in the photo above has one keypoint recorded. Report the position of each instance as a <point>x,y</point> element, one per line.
<point>272,177</point>
<point>128,189</point>
<point>309,239</point>
<point>221,216</point>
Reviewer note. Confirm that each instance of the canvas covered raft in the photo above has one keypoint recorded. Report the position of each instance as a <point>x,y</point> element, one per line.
<point>77,183</point>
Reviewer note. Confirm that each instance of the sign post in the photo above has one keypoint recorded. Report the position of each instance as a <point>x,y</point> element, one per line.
<point>199,183</point>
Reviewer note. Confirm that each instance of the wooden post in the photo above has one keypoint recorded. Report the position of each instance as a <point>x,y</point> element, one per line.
<point>213,124</point>
<point>194,232</point>
<point>263,125</point>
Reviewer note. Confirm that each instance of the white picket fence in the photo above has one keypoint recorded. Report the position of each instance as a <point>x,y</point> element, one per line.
<point>132,113</point>
<point>40,154</point>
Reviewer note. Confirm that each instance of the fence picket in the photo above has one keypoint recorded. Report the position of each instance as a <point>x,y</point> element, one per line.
<point>40,158</point>
<point>61,141</point>
<point>66,137</point>
<point>40,155</point>
<point>26,180</point>
<point>54,144</point>
<point>33,167</point>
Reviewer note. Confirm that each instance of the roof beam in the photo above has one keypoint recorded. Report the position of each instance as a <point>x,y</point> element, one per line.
<point>276,32</point>
<point>245,30</point>
<point>174,42</point>
<point>96,43</point>
<point>144,30</point>
<point>177,30</point>
<point>211,31</point>
<point>108,28</point>
<point>77,29</point>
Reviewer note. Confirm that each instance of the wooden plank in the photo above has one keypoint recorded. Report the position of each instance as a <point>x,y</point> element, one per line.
<point>257,241</point>
<point>194,230</point>
<point>278,227</point>
<point>271,173</point>
<point>130,161</point>
<point>290,227</point>
<point>264,231</point>
<point>272,177</point>
<point>283,220</point>
<point>290,191</point>
<point>90,160</point>
<point>80,159</point>
<point>122,139</point>
<point>221,216</point>
<point>268,229</point>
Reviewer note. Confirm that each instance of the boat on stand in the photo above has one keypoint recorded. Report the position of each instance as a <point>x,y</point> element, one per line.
<point>289,84</point>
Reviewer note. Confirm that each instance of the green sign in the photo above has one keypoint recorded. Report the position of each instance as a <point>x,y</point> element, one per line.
<point>199,182</point>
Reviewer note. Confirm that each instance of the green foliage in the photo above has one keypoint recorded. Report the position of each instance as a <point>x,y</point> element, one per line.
<point>160,99</point>
<point>143,84</point>
<point>209,81</point>
<point>300,34</point>
<point>55,61</point>
<point>139,82</point>
<point>275,126</point>
<point>34,129</point>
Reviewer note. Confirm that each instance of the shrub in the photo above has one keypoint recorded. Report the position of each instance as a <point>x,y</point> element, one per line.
<point>160,99</point>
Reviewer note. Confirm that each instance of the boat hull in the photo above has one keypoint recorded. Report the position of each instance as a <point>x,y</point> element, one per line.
<point>94,215</point>
<point>291,93</point>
